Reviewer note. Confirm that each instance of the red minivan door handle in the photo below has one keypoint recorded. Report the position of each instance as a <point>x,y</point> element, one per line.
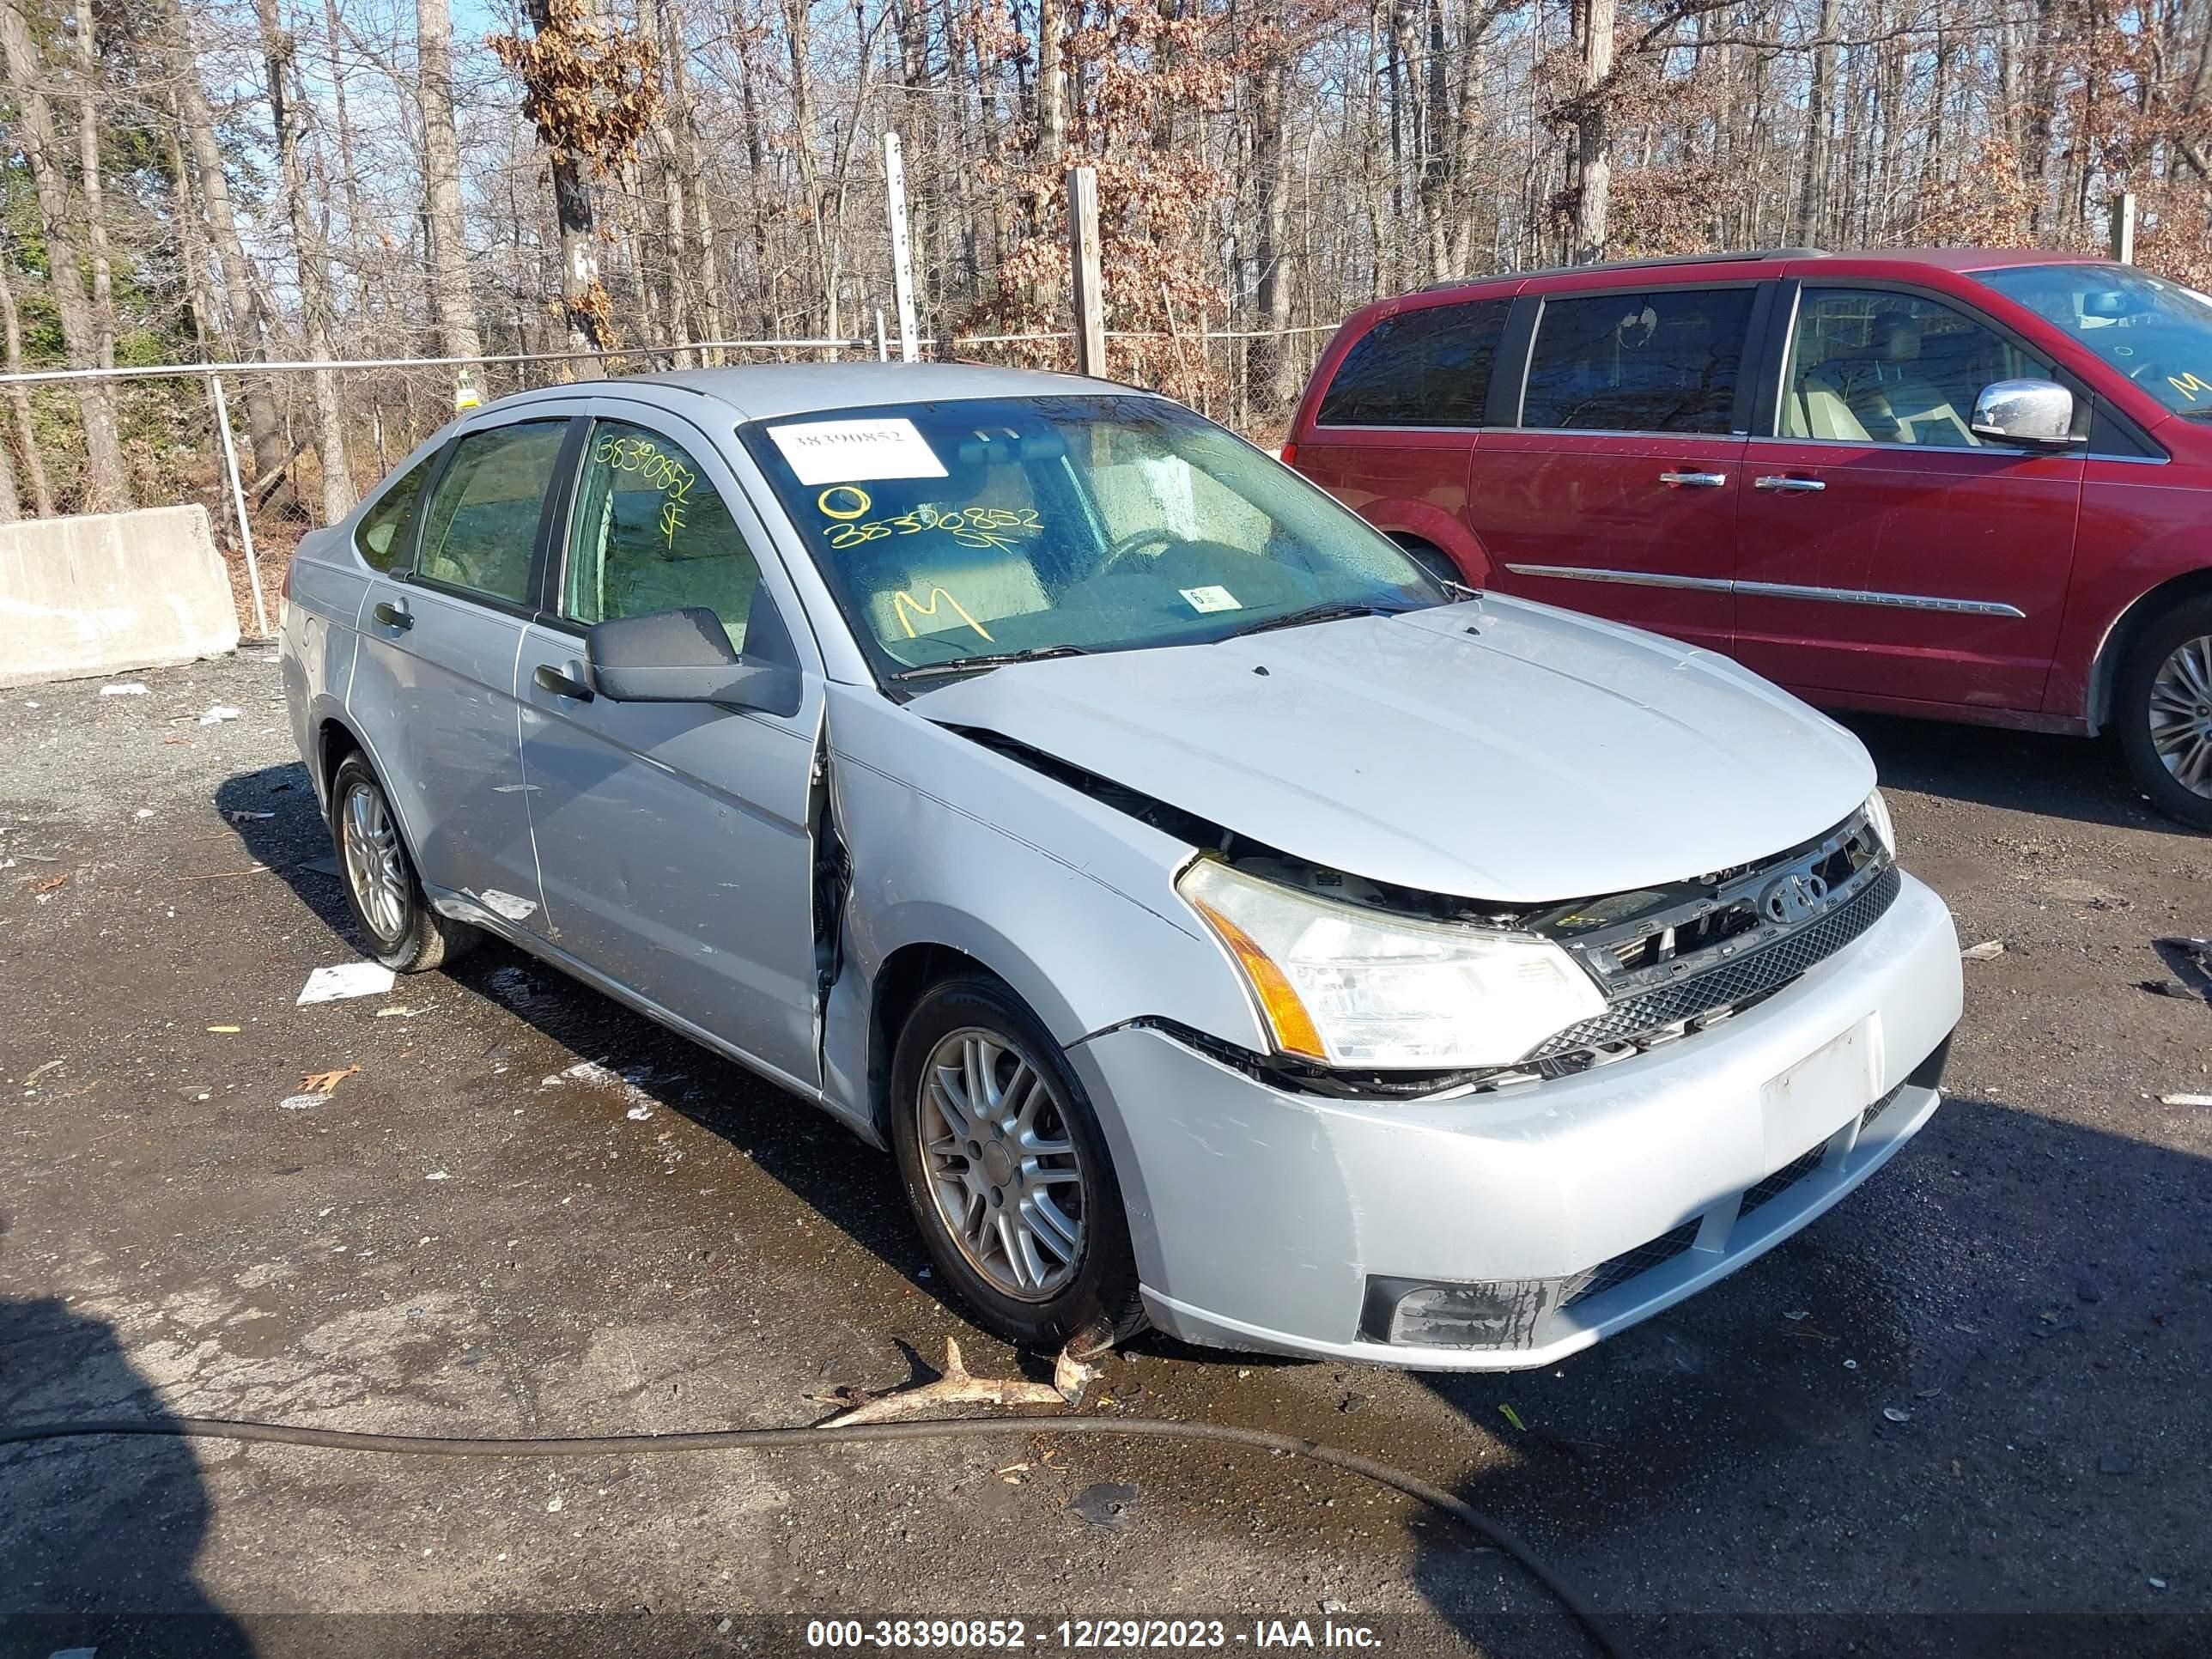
<point>1695,480</point>
<point>1791,486</point>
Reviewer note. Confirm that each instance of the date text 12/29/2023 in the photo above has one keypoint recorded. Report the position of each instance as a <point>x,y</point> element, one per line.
<point>1088,1635</point>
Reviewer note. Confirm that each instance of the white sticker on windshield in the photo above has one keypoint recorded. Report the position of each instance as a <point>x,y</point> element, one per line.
<point>1211,599</point>
<point>839,451</point>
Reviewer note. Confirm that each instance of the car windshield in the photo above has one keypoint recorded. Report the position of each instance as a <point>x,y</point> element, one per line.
<point>959,530</point>
<point>2157,333</point>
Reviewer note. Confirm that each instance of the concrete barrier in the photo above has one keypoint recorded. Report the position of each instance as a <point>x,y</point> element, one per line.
<point>107,593</point>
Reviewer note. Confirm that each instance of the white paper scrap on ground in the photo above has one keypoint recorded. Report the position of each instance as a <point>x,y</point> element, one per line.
<point>302,1103</point>
<point>348,979</point>
<point>219,713</point>
<point>131,689</point>
<point>845,451</point>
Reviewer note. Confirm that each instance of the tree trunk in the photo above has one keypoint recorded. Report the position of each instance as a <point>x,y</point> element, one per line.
<point>1593,134</point>
<point>692,175</point>
<point>89,181</point>
<point>241,322</point>
<point>19,401</point>
<point>311,258</point>
<point>451,302</point>
<point>1820,99</point>
<point>1267,358</point>
<point>108,486</point>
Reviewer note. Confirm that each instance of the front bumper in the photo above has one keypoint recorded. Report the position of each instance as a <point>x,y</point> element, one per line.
<point>1262,1219</point>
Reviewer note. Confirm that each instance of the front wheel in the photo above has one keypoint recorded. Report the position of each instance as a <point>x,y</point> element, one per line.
<point>2163,707</point>
<point>1007,1171</point>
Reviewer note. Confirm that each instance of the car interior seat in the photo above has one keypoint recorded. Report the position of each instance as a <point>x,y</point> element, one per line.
<point>1816,407</point>
<point>933,582</point>
<point>1897,402</point>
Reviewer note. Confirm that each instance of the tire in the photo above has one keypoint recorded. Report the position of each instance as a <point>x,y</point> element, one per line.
<point>1433,559</point>
<point>2164,695</point>
<point>1052,1154</point>
<point>378,873</point>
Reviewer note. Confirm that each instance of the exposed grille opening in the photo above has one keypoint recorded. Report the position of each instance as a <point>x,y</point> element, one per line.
<point>1732,985</point>
<point>1882,1105</point>
<point>1620,1269</point>
<point>1782,1180</point>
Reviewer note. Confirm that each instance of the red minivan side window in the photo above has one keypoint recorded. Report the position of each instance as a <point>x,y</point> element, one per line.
<point>1428,367</point>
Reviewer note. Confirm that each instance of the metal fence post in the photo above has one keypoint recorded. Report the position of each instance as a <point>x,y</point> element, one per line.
<point>2123,227</point>
<point>1083,264</point>
<point>238,505</point>
<point>901,245</point>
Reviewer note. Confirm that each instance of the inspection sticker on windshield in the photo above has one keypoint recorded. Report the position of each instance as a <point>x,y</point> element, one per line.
<point>839,451</point>
<point>1211,599</point>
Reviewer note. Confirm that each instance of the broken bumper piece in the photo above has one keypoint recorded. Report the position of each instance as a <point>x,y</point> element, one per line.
<point>1507,1229</point>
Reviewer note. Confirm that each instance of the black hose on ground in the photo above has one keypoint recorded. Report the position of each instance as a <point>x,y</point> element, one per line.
<point>629,1445</point>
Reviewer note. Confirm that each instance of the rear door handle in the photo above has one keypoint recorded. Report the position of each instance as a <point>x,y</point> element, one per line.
<point>1695,480</point>
<point>1793,486</point>
<point>569,684</point>
<point>393,615</point>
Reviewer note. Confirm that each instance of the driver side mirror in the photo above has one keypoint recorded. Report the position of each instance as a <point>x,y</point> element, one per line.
<point>2025,412</point>
<point>684,656</point>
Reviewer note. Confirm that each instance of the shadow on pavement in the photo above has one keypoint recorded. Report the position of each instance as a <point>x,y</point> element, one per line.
<point>1745,1449</point>
<point>98,1537</point>
<point>2033,772</point>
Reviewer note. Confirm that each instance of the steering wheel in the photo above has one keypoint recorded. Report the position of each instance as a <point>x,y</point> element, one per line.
<point>2149,367</point>
<point>1131,544</point>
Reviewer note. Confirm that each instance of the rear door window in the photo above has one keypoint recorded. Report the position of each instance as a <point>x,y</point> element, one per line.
<point>1659,360</point>
<point>377,534</point>
<point>1425,367</point>
<point>482,528</point>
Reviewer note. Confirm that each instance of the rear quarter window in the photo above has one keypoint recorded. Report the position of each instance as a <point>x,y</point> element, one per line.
<point>1425,367</point>
<point>376,534</point>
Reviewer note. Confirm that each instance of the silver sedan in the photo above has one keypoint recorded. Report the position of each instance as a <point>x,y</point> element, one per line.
<point>1224,923</point>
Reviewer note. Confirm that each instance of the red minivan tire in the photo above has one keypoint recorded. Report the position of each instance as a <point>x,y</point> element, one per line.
<point>2162,704</point>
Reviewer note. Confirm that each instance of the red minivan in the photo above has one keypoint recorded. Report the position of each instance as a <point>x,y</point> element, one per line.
<point>1970,484</point>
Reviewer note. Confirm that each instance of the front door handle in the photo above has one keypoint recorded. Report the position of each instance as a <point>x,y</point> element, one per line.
<point>1792,486</point>
<point>393,615</point>
<point>569,684</point>
<point>1695,480</point>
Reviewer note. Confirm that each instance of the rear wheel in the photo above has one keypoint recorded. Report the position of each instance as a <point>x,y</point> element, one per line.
<point>2163,707</point>
<point>396,921</point>
<point>1433,559</point>
<point>1007,1171</point>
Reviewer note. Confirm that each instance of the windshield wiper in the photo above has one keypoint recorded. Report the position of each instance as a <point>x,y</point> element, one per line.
<point>988,660</point>
<point>1337,610</point>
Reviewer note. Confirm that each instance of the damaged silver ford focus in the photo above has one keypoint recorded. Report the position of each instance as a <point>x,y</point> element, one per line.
<point>1222,924</point>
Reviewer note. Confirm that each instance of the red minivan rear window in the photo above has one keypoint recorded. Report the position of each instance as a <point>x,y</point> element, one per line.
<point>1430,366</point>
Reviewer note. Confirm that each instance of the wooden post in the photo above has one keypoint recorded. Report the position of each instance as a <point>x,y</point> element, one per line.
<point>902,245</point>
<point>1084,263</point>
<point>2123,227</point>
<point>238,505</point>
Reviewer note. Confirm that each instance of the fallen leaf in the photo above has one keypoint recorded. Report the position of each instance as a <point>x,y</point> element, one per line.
<point>53,882</point>
<point>956,1387</point>
<point>325,1083</point>
<point>1512,1416</point>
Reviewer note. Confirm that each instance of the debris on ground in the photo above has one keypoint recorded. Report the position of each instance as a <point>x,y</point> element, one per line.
<point>1988,950</point>
<point>1896,1414</point>
<point>2172,987</point>
<point>39,1072</point>
<point>247,817</point>
<point>957,1386</point>
<point>121,689</point>
<point>1512,1416</point>
<point>51,881</point>
<point>2184,1100</point>
<point>346,979</point>
<point>326,1083</point>
<point>395,1012</point>
<point>226,1030</point>
<point>225,875</point>
<point>1105,1505</point>
<point>220,712</point>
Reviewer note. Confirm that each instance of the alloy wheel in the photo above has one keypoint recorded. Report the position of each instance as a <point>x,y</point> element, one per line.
<point>1002,1165</point>
<point>2181,714</point>
<point>375,868</point>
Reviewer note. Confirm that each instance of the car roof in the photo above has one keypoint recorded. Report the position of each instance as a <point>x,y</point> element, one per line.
<point>774,391</point>
<point>1942,258</point>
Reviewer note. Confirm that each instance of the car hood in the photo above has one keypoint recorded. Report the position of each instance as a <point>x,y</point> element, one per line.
<point>1495,750</point>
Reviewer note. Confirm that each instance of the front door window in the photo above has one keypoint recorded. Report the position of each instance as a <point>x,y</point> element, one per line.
<point>1874,366</point>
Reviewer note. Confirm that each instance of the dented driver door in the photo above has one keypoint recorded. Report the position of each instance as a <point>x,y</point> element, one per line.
<point>674,840</point>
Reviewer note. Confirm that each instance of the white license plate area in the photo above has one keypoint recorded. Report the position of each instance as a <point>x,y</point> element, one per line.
<point>1819,1095</point>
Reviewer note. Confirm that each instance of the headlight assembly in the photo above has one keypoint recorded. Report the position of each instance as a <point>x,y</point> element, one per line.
<point>1346,985</point>
<point>1877,818</point>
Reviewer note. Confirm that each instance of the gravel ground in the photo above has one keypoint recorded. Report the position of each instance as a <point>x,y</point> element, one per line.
<point>1972,1394</point>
